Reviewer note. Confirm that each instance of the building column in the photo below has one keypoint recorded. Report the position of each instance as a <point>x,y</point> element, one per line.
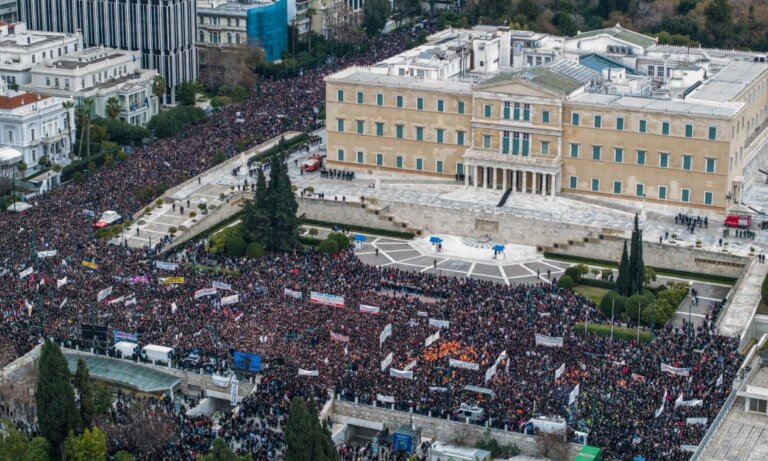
<point>534,183</point>
<point>494,172</point>
<point>514,180</point>
<point>504,179</point>
<point>477,177</point>
<point>553,183</point>
<point>466,176</point>
<point>524,174</point>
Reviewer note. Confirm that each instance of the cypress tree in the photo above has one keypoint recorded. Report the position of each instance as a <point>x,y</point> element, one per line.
<point>640,264</point>
<point>636,260</point>
<point>255,218</point>
<point>282,207</point>
<point>623,280</point>
<point>298,433</point>
<point>57,413</point>
<point>85,394</point>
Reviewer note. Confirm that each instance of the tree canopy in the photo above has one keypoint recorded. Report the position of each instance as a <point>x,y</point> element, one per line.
<point>57,412</point>
<point>375,16</point>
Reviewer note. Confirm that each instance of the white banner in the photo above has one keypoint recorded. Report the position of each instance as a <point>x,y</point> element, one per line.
<point>129,302</point>
<point>221,286</point>
<point>369,309</point>
<point>719,381</point>
<point>61,282</point>
<point>166,266</point>
<point>115,301</point>
<point>559,372</point>
<point>432,338</point>
<point>47,254</point>
<point>549,341</point>
<point>481,390</point>
<point>26,272</point>
<point>63,303</point>
<point>439,323</point>
<point>205,292</point>
<point>400,374</point>
<point>675,370</point>
<point>292,293</point>
<point>466,365</point>
<point>233,391</point>
<point>339,337</point>
<point>661,408</point>
<point>232,299</point>
<point>221,381</point>
<point>689,448</point>
<point>438,389</point>
<point>303,372</point>
<point>687,403</point>
<point>387,361</point>
<point>422,314</point>
<point>385,398</point>
<point>696,421</point>
<point>174,308</point>
<point>573,395</point>
<point>326,299</point>
<point>385,333</point>
<point>103,294</point>
<point>490,373</point>
<point>411,365</point>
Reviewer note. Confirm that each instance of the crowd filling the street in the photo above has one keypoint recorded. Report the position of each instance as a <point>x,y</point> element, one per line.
<point>419,342</point>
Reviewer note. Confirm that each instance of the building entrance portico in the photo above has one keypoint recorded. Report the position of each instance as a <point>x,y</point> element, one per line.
<point>532,180</point>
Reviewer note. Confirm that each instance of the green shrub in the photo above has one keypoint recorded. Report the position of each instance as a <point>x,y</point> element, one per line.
<point>597,283</point>
<point>634,301</point>
<point>328,246</point>
<point>342,241</point>
<point>613,301</point>
<point>254,250</point>
<point>566,282</point>
<point>77,177</point>
<point>597,329</point>
<point>764,290</point>
<point>218,241</point>
<point>236,246</point>
<point>574,272</point>
<point>648,295</point>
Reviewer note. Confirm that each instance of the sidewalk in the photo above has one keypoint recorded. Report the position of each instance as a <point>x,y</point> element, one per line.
<point>744,300</point>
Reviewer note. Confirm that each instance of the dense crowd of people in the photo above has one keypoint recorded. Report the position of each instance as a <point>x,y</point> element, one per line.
<point>481,325</point>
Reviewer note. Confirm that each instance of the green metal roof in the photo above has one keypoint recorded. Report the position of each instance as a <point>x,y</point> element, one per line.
<point>552,80</point>
<point>124,372</point>
<point>620,33</point>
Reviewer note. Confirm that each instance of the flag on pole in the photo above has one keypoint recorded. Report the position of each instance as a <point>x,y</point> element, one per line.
<point>573,395</point>
<point>559,372</point>
<point>719,381</point>
<point>61,282</point>
<point>174,307</point>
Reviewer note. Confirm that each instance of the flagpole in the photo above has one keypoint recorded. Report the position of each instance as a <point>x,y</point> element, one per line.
<point>638,323</point>
<point>613,305</point>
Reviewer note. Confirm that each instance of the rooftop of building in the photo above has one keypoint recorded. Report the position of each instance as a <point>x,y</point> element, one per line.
<point>373,76</point>
<point>678,106</point>
<point>620,33</point>
<point>230,8</point>
<point>727,84</point>
<point>16,101</point>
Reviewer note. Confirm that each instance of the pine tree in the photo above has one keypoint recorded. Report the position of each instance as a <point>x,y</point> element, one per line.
<point>91,445</point>
<point>57,413</point>
<point>281,207</point>
<point>255,218</point>
<point>85,393</point>
<point>623,280</point>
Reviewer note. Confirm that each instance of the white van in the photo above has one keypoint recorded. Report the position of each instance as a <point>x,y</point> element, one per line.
<point>125,350</point>
<point>154,353</point>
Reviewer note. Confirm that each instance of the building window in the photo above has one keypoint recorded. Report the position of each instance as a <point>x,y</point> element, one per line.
<point>439,135</point>
<point>595,185</point>
<point>359,97</point>
<point>505,114</point>
<point>545,116</point>
<point>440,105</point>
<point>665,128</point>
<point>420,103</point>
<point>399,161</point>
<point>689,131</point>
<point>379,159</point>
<point>379,99</point>
<point>662,192</point>
<point>685,195</point>
<point>439,166</point>
<point>399,131</point>
<point>651,70</point>
<point>340,125</point>
<point>574,150</point>
<point>505,142</point>
<point>712,133</point>
<point>32,134</point>
<point>687,162</point>
<point>379,128</point>
<point>229,37</point>
<point>663,160</point>
<point>758,405</point>
<point>459,168</point>
<point>419,164</point>
<point>486,141</point>
<point>598,121</point>
<point>526,143</point>
<point>516,143</point>
<point>641,157</point>
<point>360,125</point>
<point>47,81</point>
<point>360,157</point>
<point>237,39</point>
<point>617,187</point>
<point>575,119</point>
<point>620,123</point>
<point>707,198</point>
<point>596,151</point>
<point>419,133</point>
<point>460,138</point>
<point>573,182</point>
<point>640,190</point>
<point>642,126</point>
<point>340,155</point>
<point>516,112</point>
<point>618,155</point>
<point>544,147</point>
<point>488,110</point>
<point>399,101</point>
<point>460,107</point>
<point>711,162</point>
<point>340,95</point>
<point>526,112</point>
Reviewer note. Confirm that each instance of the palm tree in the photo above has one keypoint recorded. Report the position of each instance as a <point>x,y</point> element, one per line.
<point>84,114</point>
<point>113,107</point>
<point>68,105</point>
<point>158,88</point>
<point>310,12</point>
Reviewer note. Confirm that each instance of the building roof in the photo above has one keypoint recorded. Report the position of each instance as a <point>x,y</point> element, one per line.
<point>555,81</point>
<point>729,82</point>
<point>672,106</point>
<point>124,373</point>
<point>598,62</point>
<point>620,33</point>
<point>364,76</point>
<point>14,102</point>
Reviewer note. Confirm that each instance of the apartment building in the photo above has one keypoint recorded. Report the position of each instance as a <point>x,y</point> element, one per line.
<point>22,49</point>
<point>607,113</point>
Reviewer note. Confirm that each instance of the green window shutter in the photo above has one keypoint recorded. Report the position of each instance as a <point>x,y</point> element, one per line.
<point>711,165</point>
<point>515,146</point>
<point>439,166</point>
<point>340,125</point>
<point>399,131</point>
<point>575,119</point>
<point>506,112</point>
<point>399,161</point>
<point>687,162</point>
<point>379,159</point>
<point>440,105</point>
<point>595,184</point>
<point>685,195</point>
<point>379,129</point>
<point>643,127</point>
<point>598,121</point>
<point>526,114</point>
<point>544,147</point>
<point>620,123</point>
<point>526,146</point>
<point>573,182</point>
<point>665,128</point>
<point>707,198</point>
<point>399,101</point>
<point>439,135</point>
<point>420,103</point>
<point>617,187</point>
<point>460,138</point>
<point>596,151</point>
<point>419,133</point>
<point>459,168</point>
<point>379,99</point>
<point>545,116</point>
<point>663,160</point>
<point>419,164</point>
<point>460,107</point>
<point>340,155</point>
<point>662,192</point>
<point>488,110</point>
<point>516,114</point>
<point>340,95</point>
<point>712,133</point>
<point>360,126</point>
<point>640,190</point>
<point>641,157</point>
<point>618,155</point>
<point>505,145</point>
<point>689,131</point>
<point>359,97</point>
<point>574,150</point>
<point>360,157</point>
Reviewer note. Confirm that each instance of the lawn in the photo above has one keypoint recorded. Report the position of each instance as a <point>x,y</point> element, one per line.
<point>594,294</point>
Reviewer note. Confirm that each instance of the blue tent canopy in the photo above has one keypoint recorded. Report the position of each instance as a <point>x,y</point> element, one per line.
<point>360,238</point>
<point>498,248</point>
<point>435,239</point>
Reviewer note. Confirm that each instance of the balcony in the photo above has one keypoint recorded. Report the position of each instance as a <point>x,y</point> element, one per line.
<point>550,163</point>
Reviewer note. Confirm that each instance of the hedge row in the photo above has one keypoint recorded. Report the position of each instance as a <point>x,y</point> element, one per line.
<point>764,290</point>
<point>629,334</point>
<point>279,148</point>
<point>82,165</point>
<point>368,230</point>
<point>598,283</point>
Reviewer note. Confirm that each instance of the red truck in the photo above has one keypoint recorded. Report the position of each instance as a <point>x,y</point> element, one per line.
<point>313,163</point>
<point>740,221</point>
